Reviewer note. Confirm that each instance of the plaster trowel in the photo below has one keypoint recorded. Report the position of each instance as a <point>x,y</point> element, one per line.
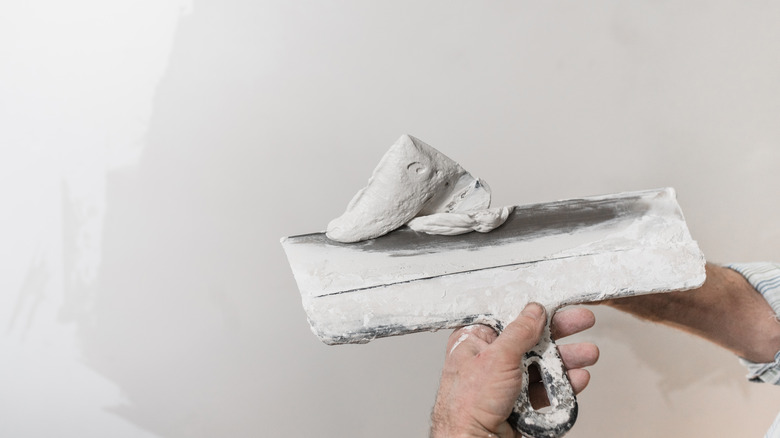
<point>556,253</point>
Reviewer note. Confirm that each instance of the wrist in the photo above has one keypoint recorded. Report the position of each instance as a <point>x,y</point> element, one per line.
<point>442,433</point>
<point>444,425</point>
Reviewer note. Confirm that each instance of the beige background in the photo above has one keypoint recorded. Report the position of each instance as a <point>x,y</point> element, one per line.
<point>153,152</point>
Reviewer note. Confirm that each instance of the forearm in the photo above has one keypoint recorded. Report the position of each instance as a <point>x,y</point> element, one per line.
<point>726,310</point>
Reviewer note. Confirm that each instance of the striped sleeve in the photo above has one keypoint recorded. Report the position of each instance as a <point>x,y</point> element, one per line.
<point>765,278</point>
<point>774,430</point>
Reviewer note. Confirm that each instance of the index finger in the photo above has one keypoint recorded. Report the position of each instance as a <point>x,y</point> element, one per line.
<point>570,321</point>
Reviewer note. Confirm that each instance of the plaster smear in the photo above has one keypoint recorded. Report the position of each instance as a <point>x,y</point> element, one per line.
<point>414,180</point>
<point>451,224</point>
<point>462,338</point>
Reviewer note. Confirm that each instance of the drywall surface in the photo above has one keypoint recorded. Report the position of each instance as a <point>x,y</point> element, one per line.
<point>152,153</point>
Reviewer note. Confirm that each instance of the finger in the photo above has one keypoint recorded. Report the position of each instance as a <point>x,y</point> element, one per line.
<point>470,340</point>
<point>579,379</point>
<point>579,355</point>
<point>574,356</point>
<point>523,333</point>
<point>483,332</point>
<point>570,321</point>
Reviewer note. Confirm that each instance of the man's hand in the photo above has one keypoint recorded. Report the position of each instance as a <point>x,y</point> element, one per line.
<point>482,373</point>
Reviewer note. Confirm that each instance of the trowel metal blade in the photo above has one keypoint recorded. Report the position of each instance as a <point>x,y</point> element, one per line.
<point>555,253</point>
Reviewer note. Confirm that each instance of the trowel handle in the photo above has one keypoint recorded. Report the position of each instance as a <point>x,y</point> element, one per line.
<point>556,420</point>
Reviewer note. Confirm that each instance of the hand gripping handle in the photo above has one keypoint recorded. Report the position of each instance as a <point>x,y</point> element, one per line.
<point>556,420</point>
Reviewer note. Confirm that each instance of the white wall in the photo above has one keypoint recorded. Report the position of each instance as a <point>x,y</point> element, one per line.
<point>152,153</point>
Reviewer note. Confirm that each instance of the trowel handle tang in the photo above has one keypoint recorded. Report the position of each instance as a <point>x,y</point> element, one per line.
<point>556,420</point>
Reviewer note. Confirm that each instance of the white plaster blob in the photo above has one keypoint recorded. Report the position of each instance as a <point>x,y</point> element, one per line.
<point>452,224</point>
<point>412,179</point>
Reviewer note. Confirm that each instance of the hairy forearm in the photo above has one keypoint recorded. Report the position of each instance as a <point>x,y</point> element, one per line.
<point>726,310</point>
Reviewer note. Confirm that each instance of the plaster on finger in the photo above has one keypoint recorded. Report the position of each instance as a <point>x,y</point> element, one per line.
<point>462,338</point>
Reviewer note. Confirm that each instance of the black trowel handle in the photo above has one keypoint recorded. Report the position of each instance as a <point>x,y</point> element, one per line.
<point>556,420</point>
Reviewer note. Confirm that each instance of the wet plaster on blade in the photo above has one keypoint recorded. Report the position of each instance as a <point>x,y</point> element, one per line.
<point>415,180</point>
<point>451,224</point>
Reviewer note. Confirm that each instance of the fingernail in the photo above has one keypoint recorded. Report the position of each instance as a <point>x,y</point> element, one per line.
<point>534,310</point>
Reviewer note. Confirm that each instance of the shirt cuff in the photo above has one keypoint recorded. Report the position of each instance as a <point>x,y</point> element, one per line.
<point>765,278</point>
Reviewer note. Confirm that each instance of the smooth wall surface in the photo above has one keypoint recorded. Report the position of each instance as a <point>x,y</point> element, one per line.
<point>153,152</point>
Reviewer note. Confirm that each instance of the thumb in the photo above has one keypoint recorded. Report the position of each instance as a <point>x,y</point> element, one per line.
<point>523,333</point>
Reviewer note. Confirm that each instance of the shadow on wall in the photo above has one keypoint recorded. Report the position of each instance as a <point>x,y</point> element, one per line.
<point>30,296</point>
<point>186,287</point>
